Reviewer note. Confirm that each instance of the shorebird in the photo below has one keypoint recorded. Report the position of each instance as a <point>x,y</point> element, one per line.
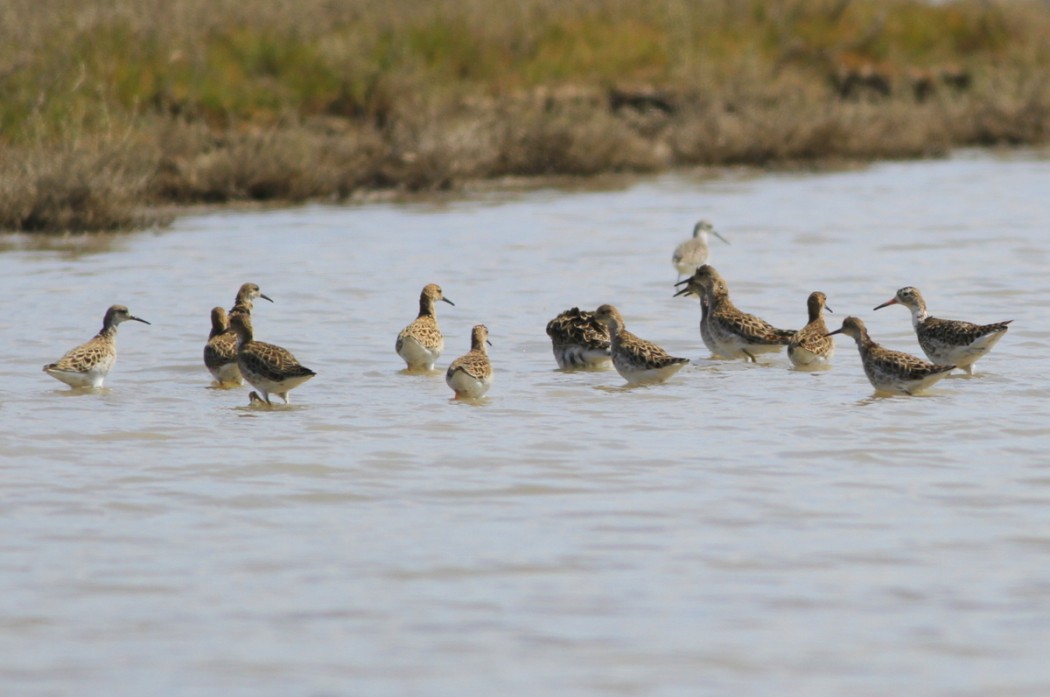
<point>694,287</point>
<point>948,340</point>
<point>694,252</point>
<point>470,375</point>
<point>220,353</point>
<point>892,372</point>
<point>579,340</point>
<point>420,343</point>
<point>732,333</point>
<point>638,361</point>
<point>88,364</point>
<point>811,346</point>
<point>267,367</point>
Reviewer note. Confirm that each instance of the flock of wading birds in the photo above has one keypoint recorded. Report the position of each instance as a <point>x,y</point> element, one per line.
<point>580,339</point>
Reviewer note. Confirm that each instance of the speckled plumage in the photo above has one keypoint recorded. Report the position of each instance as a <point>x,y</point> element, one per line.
<point>948,340</point>
<point>694,287</point>
<point>470,375</point>
<point>268,368</point>
<point>694,252</point>
<point>220,353</point>
<point>735,334</point>
<point>88,365</point>
<point>636,360</point>
<point>579,340</point>
<point>420,343</point>
<point>892,372</point>
<point>811,346</point>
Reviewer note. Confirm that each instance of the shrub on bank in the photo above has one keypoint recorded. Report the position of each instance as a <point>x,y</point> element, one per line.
<point>111,108</point>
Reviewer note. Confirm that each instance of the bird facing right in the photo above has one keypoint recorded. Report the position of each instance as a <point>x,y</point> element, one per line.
<point>88,365</point>
<point>811,346</point>
<point>891,372</point>
<point>694,252</point>
<point>470,375</point>
<point>220,352</point>
<point>420,343</point>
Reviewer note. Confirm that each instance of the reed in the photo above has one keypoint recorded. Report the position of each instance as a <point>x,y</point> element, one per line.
<point>111,108</point>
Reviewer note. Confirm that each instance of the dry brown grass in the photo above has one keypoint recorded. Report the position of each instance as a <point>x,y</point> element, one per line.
<point>113,107</point>
<point>100,186</point>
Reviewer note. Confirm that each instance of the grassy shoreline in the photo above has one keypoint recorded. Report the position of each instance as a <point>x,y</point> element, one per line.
<point>113,112</point>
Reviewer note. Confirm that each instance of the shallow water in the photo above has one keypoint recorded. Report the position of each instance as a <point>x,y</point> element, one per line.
<point>742,529</point>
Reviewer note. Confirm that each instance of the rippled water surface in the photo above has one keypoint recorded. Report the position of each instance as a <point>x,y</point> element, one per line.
<point>740,530</point>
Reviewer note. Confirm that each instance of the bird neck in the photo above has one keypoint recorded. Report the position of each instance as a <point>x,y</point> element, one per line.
<point>243,307</point>
<point>718,300</point>
<point>865,342</point>
<point>918,314</point>
<point>244,333</point>
<point>427,307</point>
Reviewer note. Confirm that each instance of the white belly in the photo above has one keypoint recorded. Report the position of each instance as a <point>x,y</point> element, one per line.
<point>637,375</point>
<point>466,386</point>
<point>804,358</point>
<point>227,374</point>
<point>89,378</point>
<point>419,357</point>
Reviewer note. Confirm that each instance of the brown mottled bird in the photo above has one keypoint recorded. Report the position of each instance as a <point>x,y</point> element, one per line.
<point>636,360</point>
<point>88,364</point>
<point>470,375</point>
<point>892,372</point>
<point>811,346</point>
<point>579,339</point>
<point>220,353</point>
<point>420,343</point>
<point>732,333</point>
<point>267,367</point>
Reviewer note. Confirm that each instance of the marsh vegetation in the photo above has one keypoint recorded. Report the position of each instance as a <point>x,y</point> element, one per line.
<point>112,110</point>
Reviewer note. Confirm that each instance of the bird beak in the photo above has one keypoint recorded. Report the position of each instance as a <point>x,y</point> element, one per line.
<point>488,342</point>
<point>715,233</point>
<point>264,297</point>
<point>685,291</point>
<point>449,302</point>
<point>892,301</point>
<point>137,319</point>
<point>837,331</point>
<point>829,309</point>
